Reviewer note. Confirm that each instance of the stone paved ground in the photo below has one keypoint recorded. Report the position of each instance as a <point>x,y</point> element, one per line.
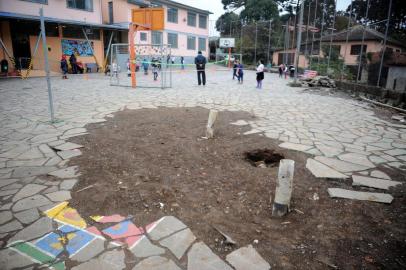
<point>344,137</point>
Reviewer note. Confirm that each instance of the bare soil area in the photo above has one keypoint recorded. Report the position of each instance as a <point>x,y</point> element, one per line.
<point>153,162</point>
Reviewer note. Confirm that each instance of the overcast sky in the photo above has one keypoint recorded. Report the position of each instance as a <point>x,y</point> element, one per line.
<point>216,7</point>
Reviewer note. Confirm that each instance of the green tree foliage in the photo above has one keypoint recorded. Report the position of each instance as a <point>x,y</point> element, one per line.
<point>259,10</point>
<point>227,22</point>
<point>378,11</point>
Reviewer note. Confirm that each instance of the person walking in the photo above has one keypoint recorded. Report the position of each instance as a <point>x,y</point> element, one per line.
<point>182,62</point>
<point>73,63</point>
<point>235,65</point>
<point>145,66</point>
<point>281,68</point>
<point>200,62</point>
<point>64,66</point>
<point>154,64</point>
<point>260,74</point>
<point>240,72</point>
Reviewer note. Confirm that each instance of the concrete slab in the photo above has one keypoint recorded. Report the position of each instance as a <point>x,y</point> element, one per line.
<point>68,184</point>
<point>12,226</point>
<point>359,195</point>
<point>67,154</point>
<point>144,248</point>
<point>70,172</point>
<point>22,172</point>
<point>5,216</point>
<point>30,202</point>
<point>357,159</point>
<point>157,263</point>
<point>90,251</point>
<point>28,216</point>
<point>295,146</point>
<point>27,191</point>
<point>10,260</point>
<point>179,242</point>
<point>201,257</point>
<point>358,180</point>
<point>339,165</point>
<point>59,196</point>
<point>39,228</point>
<point>164,227</point>
<point>322,171</point>
<point>247,258</point>
<point>379,174</point>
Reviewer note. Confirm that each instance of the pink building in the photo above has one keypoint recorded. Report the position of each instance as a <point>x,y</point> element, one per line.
<point>186,27</point>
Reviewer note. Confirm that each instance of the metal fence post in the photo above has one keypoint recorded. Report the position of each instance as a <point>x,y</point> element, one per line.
<point>256,37</point>
<point>299,40</point>
<point>384,44</point>
<point>44,45</point>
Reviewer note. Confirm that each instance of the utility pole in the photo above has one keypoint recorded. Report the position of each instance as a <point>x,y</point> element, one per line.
<point>256,37</point>
<point>269,39</point>
<point>241,40</point>
<point>299,40</point>
<point>384,44</point>
<point>44,45</point>
<point>332,33</point>
<point>362,44</point>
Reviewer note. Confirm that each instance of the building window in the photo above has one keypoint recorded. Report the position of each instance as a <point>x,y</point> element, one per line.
<point>356,49</point>
<point>45,2</point>
<point>156,38</point>
<point>143,36</point>
<point>172,15</point>
<point>77,32</point>
<point>80,4</point>
<point>202,44</point>
<point>173,40</point>
<point>202,21</point>
<point>191,43</point>
<point>191,19</point>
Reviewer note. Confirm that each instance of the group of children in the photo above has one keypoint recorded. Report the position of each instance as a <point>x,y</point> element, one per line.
<point>238,71</point>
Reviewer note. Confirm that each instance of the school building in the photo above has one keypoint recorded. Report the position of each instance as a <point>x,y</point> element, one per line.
<point>84,27</point>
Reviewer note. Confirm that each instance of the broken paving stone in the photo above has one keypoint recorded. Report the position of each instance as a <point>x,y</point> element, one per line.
<point>59,196</point>
<point>396,152</point>
<point>50,189</point>
<point>33,153</point>
<point>358,180</point>
<point>22,172</point>
<point>93,249</point>
<point>339,165</point>
<point>56,143</point>
<point>11,259</point>
<point>379,174</point>
<point>144,248</point>
<point>357,159</point>
<point>322,171</point>
<point>12,186</point>
<point>295,146</point>
<point>30,202</point>
<point>179,242</point>
<point>39,228</point>
<point>8,192</point>
<point>165,226</point>
<point>5,182</point>
<point>110,260</point>
<point>53,161</point>
<point>5,216</point>
<point>68,184</point>
<point>74,131</point>
<point>67,154</point>
<point>247,258</point>
<point>239,123</point>
<point>328,151</point>
<point>69,172</point>
<point>28,216</point>
<point>27,191</point>
<point>157,263</point>
<point>201,257</point>
<point>6,206</point>
<point>360,195</point>
<point>10,227</point>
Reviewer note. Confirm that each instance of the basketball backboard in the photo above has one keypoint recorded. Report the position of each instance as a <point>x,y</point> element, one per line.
<point>148,18</point>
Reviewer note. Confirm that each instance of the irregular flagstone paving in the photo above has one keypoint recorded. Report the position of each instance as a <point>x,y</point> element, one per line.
<point>343,136</point>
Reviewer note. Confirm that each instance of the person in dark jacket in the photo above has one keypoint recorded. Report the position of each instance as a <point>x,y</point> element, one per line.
<point>73,63</point>
<point>64,66</point>
<point>235,66</point>
<point>200,62</point>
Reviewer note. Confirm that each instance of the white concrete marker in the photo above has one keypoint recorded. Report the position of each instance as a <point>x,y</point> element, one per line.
<point>284,186</point>
<point>359,195</point>
<point>210,123</point>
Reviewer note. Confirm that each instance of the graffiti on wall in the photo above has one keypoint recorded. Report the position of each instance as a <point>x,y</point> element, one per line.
<point>78,47</point>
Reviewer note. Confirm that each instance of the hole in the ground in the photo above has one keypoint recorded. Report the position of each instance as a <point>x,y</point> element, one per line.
<point>263,157</point>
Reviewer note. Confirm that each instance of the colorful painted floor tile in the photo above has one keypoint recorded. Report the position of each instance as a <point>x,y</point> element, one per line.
<point>74,240</point>
<point>37,255</point>
<point>124,232</point>
<point>67,215</point>
<point>108,219</point>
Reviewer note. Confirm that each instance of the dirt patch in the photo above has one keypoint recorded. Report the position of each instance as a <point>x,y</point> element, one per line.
<point>152,162</point>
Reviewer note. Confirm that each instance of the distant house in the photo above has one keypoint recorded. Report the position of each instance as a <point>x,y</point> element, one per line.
<point>373,42</point>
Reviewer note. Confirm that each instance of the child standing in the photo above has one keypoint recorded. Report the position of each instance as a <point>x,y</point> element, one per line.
<point>145,66</point>
<point>235,66</point>
<point>128,68</point>
<point>260,74</point>
<point>154,65</point>
<point>240,72</point>
<point>64,66</point>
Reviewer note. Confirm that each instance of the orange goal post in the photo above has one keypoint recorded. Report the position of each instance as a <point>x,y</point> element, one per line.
<point>143,19</point>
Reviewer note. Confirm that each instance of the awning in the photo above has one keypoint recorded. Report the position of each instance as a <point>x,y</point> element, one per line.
<point>10,15</point>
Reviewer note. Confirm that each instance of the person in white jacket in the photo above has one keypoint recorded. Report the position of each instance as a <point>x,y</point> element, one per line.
<point>260,74</point>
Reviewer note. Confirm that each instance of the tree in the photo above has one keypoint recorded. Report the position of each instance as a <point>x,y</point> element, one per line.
<point>378,11</point>
<point>259,10</point>
<point>227,22</point>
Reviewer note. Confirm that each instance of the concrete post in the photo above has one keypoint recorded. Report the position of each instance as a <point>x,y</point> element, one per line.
<point>284,186</point>
<point>210,122</point>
